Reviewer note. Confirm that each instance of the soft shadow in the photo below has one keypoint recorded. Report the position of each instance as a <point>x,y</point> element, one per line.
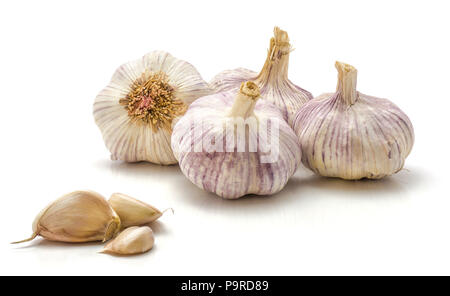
<point>138,169</point>
<point>51,246</point>
<point>159,228</point>
<point>141,255</point>
<point>198,198</point>
<point>304,184</point>
<point>40,242</point>
<point>406,179</point>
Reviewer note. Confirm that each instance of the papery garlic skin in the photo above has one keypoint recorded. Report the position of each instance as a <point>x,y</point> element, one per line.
<point>351,135</point>
<point>136,122</point>
<point>80,216</point>
<point>132,241</point>
<point>232,175</point>
<point>133,212</point>
<point>272,80</point>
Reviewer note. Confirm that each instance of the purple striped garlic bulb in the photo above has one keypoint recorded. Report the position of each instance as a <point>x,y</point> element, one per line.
<point>351,135</point>
<point>231,144</point>
<point>272,80</point>
<point>136,111</point>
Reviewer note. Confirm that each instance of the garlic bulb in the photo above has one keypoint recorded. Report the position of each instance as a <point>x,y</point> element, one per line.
<point>136,110</point>
<point>351,135</point>
<point>133,212</point>
<point>80,216</point>
<point>131,241</point>
<point>236,148</point>
<point>272,80</point>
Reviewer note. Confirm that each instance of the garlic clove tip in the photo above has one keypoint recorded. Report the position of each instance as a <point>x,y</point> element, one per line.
<point>26,240</point>
<point>169,209</point>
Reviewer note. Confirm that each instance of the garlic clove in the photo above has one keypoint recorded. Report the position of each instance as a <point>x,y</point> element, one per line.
<point>136,111</point>
<point>235,121</point>
<point>272,79</point>
<point>351,135</point>
<point>133,212</point>
<point>131,241</point>
<point>80,216</point>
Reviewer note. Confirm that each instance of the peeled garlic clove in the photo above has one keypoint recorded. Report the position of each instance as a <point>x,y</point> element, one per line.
<point>80,216</point>
<point>272,80</point>
<point>135,112</point>
<point>351,135</point>
<point>233,144</point>
<point>133,212</point>
<point>131,241</point>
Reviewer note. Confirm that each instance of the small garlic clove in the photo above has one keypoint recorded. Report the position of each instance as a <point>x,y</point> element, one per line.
<point>131,241</point>
<point>80,216</point>
<point>133,212</point>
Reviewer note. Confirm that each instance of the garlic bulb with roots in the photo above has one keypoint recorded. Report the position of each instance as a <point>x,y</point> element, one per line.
<point>233,144</point>
<point>351,135</point>
<point>272,80</point>
<point>135,112</point>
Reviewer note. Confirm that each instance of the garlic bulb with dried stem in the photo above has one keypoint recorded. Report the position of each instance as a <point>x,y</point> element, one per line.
<point>132,241</point>
<point>351,135</point>
<point>272,80</point>
<point>233,144</point>
<point>135,112</point>
<point>133,212</point>
<point>77,217</point>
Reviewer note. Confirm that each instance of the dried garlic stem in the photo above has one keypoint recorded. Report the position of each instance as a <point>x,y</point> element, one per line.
<point>277,62</point>
<point>347,75</point>
<point>245,100</point>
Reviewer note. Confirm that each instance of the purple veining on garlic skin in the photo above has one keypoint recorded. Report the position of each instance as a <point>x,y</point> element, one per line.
<point>234,174</point>
<point>357,136</point>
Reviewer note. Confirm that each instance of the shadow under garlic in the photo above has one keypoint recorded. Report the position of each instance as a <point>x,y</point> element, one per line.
<point>303,185</point>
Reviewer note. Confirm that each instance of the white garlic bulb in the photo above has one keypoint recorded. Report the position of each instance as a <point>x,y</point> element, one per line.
<point>272,80</point>
<point>80,216</point>
<point>351,135</point>
<point>136,110</point>
<point>232,145</point>
<point>132,241</point>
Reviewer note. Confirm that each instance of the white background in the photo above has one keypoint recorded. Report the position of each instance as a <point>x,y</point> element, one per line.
<point>55,56</point>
